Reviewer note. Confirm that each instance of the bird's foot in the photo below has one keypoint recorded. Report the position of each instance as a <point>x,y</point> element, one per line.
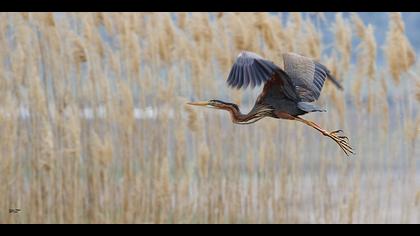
<point>342,141</point>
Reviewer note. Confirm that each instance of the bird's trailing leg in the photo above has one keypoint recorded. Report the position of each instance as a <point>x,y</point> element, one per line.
<point>342,141</point>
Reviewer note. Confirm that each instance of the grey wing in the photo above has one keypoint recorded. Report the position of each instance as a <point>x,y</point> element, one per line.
<point>250,69</point>
<point>307,75</point>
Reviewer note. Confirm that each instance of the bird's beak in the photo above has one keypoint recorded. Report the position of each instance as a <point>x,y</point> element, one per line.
<point>198,103</point>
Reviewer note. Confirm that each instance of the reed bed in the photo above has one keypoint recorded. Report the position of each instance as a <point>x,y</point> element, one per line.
<point>95,128</point>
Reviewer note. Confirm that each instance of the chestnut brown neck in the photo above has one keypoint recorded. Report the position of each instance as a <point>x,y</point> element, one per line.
<point>257,113</point>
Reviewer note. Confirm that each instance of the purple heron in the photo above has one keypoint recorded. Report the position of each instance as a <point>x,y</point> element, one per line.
<point>287,94</point>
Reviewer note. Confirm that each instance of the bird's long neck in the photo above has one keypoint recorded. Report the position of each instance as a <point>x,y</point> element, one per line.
<point>257,113</point>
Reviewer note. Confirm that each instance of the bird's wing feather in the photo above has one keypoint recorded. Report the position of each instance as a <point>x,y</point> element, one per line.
<point>250,69</point>
<point>306,75</point>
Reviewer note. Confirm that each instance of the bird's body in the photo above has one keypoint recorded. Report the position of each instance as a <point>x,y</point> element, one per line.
<point>287,94</point>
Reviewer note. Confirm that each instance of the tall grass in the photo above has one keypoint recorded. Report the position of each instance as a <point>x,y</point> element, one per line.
<point>95,127</point>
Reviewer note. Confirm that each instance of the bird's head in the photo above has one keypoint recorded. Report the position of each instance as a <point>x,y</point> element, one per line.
<point>216,104</point>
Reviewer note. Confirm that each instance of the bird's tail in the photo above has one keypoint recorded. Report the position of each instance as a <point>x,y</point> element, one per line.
<point>309,107</point>
<point>335,81</point>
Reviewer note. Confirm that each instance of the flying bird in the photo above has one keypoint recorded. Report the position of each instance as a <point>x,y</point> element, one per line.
<point>288,93</point>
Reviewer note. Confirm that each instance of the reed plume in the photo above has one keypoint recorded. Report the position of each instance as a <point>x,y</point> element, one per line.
<point>398,50</point>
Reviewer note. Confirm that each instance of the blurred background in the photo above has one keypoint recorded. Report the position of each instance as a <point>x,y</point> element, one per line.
<point>96,130</point>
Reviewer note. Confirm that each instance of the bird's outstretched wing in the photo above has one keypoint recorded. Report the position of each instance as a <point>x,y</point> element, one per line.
<point>250,69</point>
<point>307,76</point>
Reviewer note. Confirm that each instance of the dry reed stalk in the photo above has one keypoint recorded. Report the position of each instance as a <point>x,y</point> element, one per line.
<point>343,38</point>
<point>9,158</point>
<point>108,22</point>
<point>367,53</point>
<point>370,52</point>
<point>359,26</point>
<point>398,50</point>
<point>241,36</point>
<point>79,51</point>
<point>295,23</point>
<point>366,60</point>
<point>331,92</point>
<point>357,89</point>
<point>222,51</point>
<point>313,40</point>
<point>166,38</point>
<point>192,119</point>
<point>182,20</point>
<point>385,106</point>
<point>263,24</point>
<point>283,39</point>
<point>200,28</point>
<point>133,57</point>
